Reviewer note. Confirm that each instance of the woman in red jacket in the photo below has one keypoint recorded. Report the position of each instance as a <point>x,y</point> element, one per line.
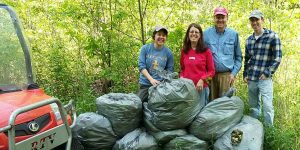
<point>196,61</point>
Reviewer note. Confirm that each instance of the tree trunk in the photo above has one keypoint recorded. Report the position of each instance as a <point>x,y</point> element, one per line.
<point>142,22</point>
<point>109,37</point>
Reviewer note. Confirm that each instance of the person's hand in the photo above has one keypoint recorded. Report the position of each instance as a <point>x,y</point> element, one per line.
<point>231,79</point>
<point>154,82</point>
<point>246,79</point>
<point>262,77</point>
<point>199,86</point>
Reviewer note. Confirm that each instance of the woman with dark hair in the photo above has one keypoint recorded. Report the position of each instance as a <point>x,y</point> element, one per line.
<point>196,61</point>
<point>154,57</point>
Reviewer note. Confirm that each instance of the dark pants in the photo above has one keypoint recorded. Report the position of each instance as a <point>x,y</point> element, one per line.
<point>143,95</point>
<point>143,92</point>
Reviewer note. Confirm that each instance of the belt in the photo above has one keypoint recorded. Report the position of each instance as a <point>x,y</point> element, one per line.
<point>223,71</point>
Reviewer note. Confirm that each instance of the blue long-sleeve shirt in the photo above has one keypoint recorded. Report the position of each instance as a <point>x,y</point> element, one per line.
<point>154,60</point>
<point>262,55</point>
<point>225,48</point>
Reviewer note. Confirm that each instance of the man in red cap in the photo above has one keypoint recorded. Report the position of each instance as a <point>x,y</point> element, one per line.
<point>225,46</point>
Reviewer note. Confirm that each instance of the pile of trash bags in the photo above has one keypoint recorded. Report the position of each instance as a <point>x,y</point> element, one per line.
<point>173,118</point>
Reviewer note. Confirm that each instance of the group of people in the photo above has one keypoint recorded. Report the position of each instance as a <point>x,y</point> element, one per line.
<point>213,58</point>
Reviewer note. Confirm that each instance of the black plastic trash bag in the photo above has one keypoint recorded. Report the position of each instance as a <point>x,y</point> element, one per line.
<point>217,117</point>
<point>251,139</point>
<point>186,142</point>
<point>94,132</point>
<point>137,140</point>
<point>173,104</point>
<point>148,118</point>
<point>75,145</point>
<point>124,111</point>
<point>164,137</point>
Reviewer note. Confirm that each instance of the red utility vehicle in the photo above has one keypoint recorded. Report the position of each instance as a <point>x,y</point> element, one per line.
<point>29,118</point>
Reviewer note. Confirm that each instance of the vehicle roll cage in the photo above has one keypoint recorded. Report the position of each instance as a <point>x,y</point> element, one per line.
<point>22,41</point>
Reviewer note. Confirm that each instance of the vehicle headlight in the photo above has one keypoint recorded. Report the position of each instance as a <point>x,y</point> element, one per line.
<point>55,110</point>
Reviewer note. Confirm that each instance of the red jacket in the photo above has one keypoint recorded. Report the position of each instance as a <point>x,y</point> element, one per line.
<point>196,66</point>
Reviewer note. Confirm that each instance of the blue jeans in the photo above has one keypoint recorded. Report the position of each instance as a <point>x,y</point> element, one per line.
<point>261,91</point>
<point>204,96</point>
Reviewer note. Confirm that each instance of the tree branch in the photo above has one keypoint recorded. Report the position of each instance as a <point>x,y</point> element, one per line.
<point>144,11</point>
<point>128,35</point>
<point>141,22</point>
<point>170,12</point>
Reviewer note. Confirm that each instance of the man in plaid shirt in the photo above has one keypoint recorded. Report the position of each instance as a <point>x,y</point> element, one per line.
<point>262,58</point>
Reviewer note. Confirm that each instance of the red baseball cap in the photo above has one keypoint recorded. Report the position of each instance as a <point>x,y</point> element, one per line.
<point>220,11</point>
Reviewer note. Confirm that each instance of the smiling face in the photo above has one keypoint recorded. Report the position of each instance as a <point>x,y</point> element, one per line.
<point>194,35</point>
<point>220,21</point>
<point>256,24</point>
<point>160,38</point>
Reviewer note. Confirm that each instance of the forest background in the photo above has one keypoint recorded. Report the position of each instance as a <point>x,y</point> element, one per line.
<point>84,48</point>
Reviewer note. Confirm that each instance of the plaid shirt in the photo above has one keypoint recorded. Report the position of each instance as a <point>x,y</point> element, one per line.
<point>262,56</point>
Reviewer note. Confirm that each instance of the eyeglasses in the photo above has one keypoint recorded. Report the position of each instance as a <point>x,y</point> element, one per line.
<point>196,32</point>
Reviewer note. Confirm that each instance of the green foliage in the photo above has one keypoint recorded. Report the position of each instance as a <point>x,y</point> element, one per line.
<point>76,42</point>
